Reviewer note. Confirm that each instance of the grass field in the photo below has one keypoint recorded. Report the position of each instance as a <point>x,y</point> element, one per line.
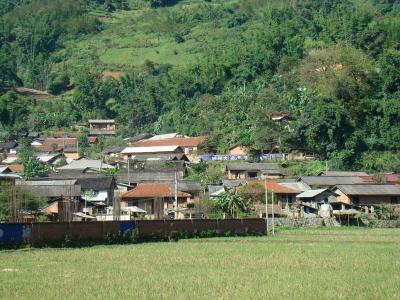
<point>301,264</point>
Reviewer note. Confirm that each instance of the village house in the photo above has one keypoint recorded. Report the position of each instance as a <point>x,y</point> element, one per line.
<point>130,152</point>
<point>84,164</point>
<point>51,159</point>
<point>166,136</point>
<point>71,152</point>
<point>157,199</point>
<point>316,182</point>
<point>133,139</point>
<point>188,144</point>
<point>253,170</point>
<point>368,194</point>
<point>102,127</point>
<point>51,189</point>
<point>127,179</point>
<point>314,202</point>
<point>317,196</point>
<point>342,173</point>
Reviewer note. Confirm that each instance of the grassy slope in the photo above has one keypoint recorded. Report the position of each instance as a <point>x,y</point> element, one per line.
<point>311,263</point>
<point>131,37</point>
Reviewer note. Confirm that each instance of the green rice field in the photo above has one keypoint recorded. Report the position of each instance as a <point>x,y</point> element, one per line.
<point>344,263</point>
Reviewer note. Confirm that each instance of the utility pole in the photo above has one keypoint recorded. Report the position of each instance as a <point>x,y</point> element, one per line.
<point>129,171</point>
<point>266,203</point>
<point>176,197</point>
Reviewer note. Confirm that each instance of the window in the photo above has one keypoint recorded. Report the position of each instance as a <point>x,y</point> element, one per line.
<point>356,200</point>
<point>252,174</point>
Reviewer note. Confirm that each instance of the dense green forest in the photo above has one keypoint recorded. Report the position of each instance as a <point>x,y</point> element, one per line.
<point>212,67</point>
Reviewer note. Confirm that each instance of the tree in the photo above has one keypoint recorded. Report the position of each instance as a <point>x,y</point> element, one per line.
<point>232,204</point>
<point>35,168</point>
<point>390,64</point>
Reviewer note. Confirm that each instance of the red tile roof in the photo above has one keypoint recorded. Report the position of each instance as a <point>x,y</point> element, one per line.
<point>48,148</point>
<point>60,134</point>
<point>150,190</point>
<point>60,141</point>
<point>16,168</point>
<point>182,142</point>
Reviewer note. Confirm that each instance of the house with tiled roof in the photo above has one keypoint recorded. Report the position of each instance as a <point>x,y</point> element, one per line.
<point>157,199</point>
<point>188,144</point>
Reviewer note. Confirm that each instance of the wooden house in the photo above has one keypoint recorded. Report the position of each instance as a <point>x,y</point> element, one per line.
<point>188,144</point>
<point>253,170</point>
<point>157,199</point>
<point>317,182</point>
<point>130,152</point>
<point>102,127</point>
<point>368,194</point>
<point>317,196</point>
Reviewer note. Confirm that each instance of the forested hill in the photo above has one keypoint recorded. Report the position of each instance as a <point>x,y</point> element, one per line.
<point>218,68</point>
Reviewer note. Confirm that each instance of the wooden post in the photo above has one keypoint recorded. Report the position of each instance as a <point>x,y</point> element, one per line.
<point>266,203</point>
<point>272,212</point>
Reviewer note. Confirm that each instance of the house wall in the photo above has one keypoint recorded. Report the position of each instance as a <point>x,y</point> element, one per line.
<point>238,150</point>
<point>188,150</point>
<point>342,196</point>
<point>242,174</point>
<point>52,209</point>
<point>72,155</point>
<point>102,126</point>
<point>376,199</point>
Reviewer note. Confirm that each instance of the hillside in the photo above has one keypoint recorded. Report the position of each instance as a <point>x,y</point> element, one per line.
<point>217,68</point>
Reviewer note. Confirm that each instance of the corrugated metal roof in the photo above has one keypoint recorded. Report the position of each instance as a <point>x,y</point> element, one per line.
<point>310,193</point>
<point>214,188</point>
<point>84,163</point>
<point>4,169</point>
<point>299,186</point>
<point>370,189</point>
<point>231,183</point>
<point>160,157</point>
<point>189,186</point>
<point>10,160</point>
<point>182,142</point>
<point>137,177</point>
<point>158,149</point>
<point>53,188</point>
<point>326,181</point>
<point>47,157</point>
<point>109,121</point>
<point>164,136</point>
<point>252,166</point>
<point>342,173</point>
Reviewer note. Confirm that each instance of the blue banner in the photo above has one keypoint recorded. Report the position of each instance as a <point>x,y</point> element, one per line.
<point>15,233</point>
<point>273,156</point>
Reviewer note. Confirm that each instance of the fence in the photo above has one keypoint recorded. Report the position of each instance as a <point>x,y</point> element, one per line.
<point>17,233</point>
